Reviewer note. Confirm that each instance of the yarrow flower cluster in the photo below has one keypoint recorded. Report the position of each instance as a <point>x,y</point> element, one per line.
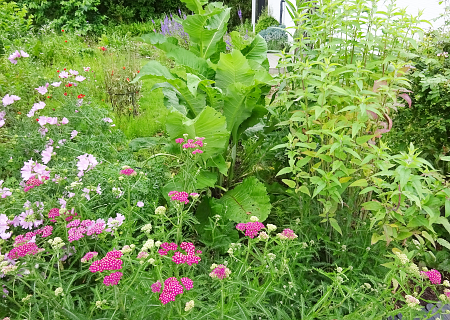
<point>88,256</point>
<point>251,228</point>
<point>23,250</point>
<point>110,262</point>
<point>172,288</point>
<point>181,196</point>
<point>411,301</point>
<point>192,144</point>
<point>287,234</point>
<point>127,171</point>
<point>220,272</point>
<point>113,279</point>
<point>86,227</point>
<point>190,258</point>
<point>434,276</point>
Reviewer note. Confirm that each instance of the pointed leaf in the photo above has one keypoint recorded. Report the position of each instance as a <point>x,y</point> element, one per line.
<point>257,50</point>
<point>359,183</point>
<point>335,225</point>
<point>407,98</point>
<point>153,69</point>
<point>443,243</point>
<point>195,5</point>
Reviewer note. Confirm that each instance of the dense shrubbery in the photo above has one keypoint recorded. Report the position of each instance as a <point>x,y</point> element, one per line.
<point>265,21</point>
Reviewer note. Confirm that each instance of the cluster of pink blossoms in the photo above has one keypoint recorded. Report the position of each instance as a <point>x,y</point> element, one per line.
<point>23,250</point>
<point>128,172</point>
<point>70,214</point>
<point>86,227</point>
<point>113,279</point>
<point>287,234</point>
<point>24,239</point>
<point>179,258</point>
<point>16,55</point>
<point>220,272</point>
<point>172,288</point>
<point>182,196</point>
<point>88,256</point>
<point>434,276</point>
<point>33,182</point>
<point>110,262</point>
<point>192,144</point>
<point>251,228</point>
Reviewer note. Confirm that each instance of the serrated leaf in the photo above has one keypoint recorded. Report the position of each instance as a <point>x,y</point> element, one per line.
<point>250,198</point>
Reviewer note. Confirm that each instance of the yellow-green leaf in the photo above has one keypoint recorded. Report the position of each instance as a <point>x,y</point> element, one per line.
<point>345,179</point>
<point>290,183</point>
<point>335,225</point>
<point>359,183</point>
<point>305,190</point>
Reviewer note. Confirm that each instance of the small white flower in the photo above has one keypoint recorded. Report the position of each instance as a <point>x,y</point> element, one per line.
<point>59,291</point>
<point>339,269</point>
<point>160,210</point>
<point>271,227</point>
<point>254,218</point>
<point>189,305</point>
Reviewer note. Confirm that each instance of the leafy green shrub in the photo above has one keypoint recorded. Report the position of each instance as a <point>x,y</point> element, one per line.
<point>265,21</point>
<point>426,123</point>
<point>276,37</point>
<point>14,22</point>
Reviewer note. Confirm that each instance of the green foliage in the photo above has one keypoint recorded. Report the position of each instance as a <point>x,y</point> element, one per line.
<point>426,123</point>
<point>265,21</point>
<point>14,22</point>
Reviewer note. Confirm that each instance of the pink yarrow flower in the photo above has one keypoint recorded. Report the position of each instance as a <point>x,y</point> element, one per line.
<point>220,272</point>
<point>88,256</point>
<point>251,228</point>
<point>23,250</point>
<point>110,262</point>
<point>156,287</point>
<point>113,279</point>
<point>434,276</point>
<point>128,172</point>
<point>172,288</point>
<point>287,234</point>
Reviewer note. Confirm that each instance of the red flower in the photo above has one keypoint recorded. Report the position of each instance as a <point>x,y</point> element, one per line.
<point>37,119</point>
<point>62,30</point>
<point>65,41</point>
<point>138,71</point>
<point>65,93</point>
<point>102,48</point>
<point>123,68</point>
<point>57,70</point>
<point>64,69</point>
<point>48,97</point>
<point>81,96</point>
<point>128,79</point>
<point>19,112</point>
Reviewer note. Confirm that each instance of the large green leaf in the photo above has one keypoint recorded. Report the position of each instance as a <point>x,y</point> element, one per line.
<point>195,5</point>
<point>248,199</point>
<point>195,104</point>
<point>257,50</point>
<point>209,124</point>
<point>233,68</point>
<point>206,30</point>
<point>153,69</point>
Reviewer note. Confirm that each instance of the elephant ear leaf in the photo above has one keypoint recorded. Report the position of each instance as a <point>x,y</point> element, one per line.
<point>195,5</point>
<point>248,199</point>
<point>233,68</point>
<point>257,50</point>
<point>209,124</point>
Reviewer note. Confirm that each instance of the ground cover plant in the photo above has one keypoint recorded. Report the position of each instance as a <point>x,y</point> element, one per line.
<point>215,191</point>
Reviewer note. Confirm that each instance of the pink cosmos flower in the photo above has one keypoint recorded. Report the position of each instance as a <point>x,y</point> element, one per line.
<point>107,120</point>
<point>42,89</point>
<point>4,192</point>
<point>73,72</point>
<point>12,58</point>
<point>37,106</point>
<point>4,225</point>
<point>114,223</point>
<point>56,84</point>
<point>73,134</point>
<point>80,78</point>
<point>64,121</point>
<point>9,99</point>
<point>24,54</point>
<point>28,219</point>
<point>140,204</point>
<point>86,162</point>
<point>63,75</point>
<point>87,69</point>
<point>47,154</point>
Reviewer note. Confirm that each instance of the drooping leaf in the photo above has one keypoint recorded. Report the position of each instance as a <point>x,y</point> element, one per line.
<point>195,5</point>
<point>219,162</point>
<point>153,69</point>
<point>209,124</point>
<point>257,50</point>
<point>335,225</point>
<point>247,199</point>
<point>443,243</point>
<point>406,97</point>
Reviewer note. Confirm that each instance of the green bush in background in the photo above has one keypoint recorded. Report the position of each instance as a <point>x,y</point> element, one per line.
<point>265,21</point>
